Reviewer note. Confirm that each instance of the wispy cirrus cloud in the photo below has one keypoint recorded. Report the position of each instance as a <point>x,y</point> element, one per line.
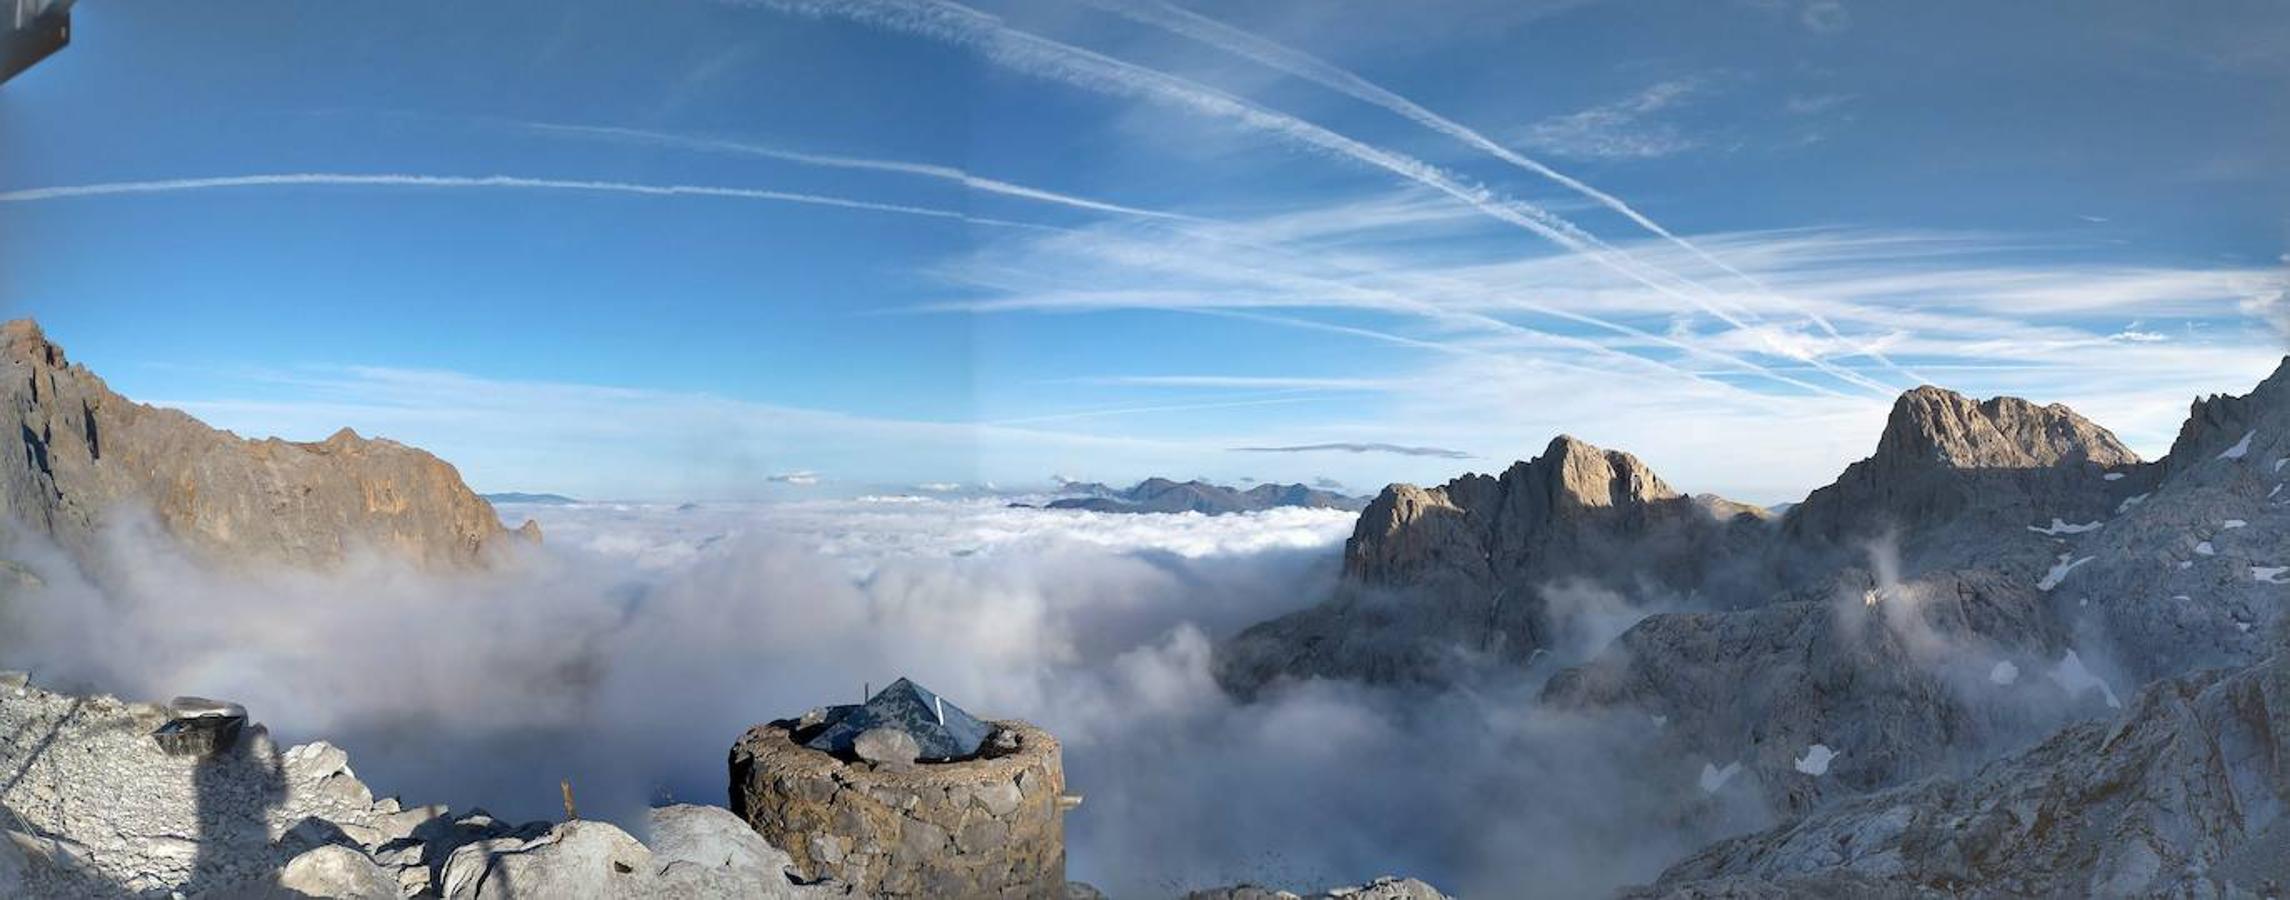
<point>1357,447</point>
<point>1034,54</point>
<point>1997,315</point>
<point>1274,55</point>
<point>1629,128</point>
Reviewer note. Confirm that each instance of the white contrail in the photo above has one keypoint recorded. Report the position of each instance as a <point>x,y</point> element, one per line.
<point>1271,54</point>
<point>926,170</point>
<point>1024,51</point>
<point>300,179</point>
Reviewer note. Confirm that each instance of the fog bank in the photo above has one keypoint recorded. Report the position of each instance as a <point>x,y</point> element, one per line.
<point>629,652</point>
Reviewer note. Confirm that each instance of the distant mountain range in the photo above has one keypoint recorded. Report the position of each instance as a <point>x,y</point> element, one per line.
<point>534,499</point>
<point>1161,495</point>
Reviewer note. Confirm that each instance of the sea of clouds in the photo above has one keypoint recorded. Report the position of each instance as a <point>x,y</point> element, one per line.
<point>630,650</point>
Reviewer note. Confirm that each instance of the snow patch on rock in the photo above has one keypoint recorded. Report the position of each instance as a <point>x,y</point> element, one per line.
<point>2004,672</point>
<point>2241,447</point>
<point>2059,527</point>
<point>1714,778</point>
<point>2051,579</point>
<point>1815,762</point>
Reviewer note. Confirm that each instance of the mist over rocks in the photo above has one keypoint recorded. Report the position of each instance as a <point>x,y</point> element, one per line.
<point>1570,676</point>
<point>89,456</point>
<point>1869,620</point>
<point>1439,581</point>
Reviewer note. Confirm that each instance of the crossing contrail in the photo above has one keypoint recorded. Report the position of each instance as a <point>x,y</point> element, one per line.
<point>504,182</point>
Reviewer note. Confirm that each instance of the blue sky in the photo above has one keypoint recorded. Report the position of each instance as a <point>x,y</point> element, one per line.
<point>770,249</point>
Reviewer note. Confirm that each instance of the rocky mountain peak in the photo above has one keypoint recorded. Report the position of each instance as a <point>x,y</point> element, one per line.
<point>1570,481</point>
<point>1576,472</point>
<point>1944,455</point>
<point>2217,423</point>
<point>23,340</point>
<point>1466,564</point>
<point>1935,425</point>
<point>89,455</point>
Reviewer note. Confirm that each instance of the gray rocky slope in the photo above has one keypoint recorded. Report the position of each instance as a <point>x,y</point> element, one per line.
<point>91,807</point>
<point>88,457</point>
<point>1996,570</point>
<point>2184,795</point>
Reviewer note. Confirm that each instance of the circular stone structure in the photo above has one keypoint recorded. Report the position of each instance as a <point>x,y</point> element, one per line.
<point>992,826</point>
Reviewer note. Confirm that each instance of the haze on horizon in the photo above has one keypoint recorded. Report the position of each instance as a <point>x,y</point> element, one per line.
<point>808,250</point>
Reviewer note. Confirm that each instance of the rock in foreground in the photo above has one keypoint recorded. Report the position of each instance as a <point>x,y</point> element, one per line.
<point>94,808</point>
<point>993,826</point>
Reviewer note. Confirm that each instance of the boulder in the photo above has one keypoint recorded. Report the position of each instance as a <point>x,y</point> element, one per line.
<point>705,851</point>
<point>580,858</point>
<point>887,747</point>
<point>336,871</point>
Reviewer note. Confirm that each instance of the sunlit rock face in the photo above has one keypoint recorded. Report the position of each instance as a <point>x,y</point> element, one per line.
<point>88,458</point>
<point>1947,464</point>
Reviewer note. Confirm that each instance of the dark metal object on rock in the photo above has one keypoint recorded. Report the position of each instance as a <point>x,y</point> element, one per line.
<point>942,730</point>
<point>200,727</point>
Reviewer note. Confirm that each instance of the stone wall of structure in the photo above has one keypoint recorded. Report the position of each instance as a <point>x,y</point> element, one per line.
<point>981,828</point>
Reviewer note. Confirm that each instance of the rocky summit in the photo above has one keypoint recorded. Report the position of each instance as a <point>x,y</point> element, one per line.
<point>89,458</point>
<point>1439,580</point>
<point>1930,669</point>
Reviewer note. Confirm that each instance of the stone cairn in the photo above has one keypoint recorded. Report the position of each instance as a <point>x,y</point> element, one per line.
<point>908,796</point>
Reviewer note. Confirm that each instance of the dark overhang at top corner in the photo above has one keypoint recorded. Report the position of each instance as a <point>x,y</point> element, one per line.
<point>30,31</point>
